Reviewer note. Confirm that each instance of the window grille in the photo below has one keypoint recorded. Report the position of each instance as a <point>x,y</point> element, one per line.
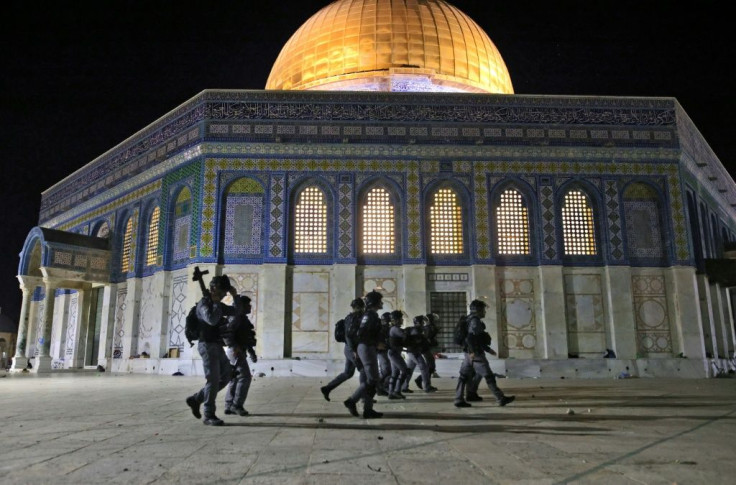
<point>512,221</point>
<point>152,250</point>
<point>125,265</point>
<point>450,306</point>
<point>577,225</point>
<point>378,223</point>
<point>446,223</point>
<point>310,234</point>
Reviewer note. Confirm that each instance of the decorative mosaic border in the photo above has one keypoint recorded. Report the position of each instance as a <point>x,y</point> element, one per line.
<point>180,129</point>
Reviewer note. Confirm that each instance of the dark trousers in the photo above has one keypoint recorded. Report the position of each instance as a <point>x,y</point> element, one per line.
<point>347,373</point>
<point>368,376</point>
<point>399,371</point>
<point>237,390</point>
<point>472,372</point>
<point>217,372</point>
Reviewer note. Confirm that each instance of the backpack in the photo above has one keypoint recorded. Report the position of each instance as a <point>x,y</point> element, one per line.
<point>352,325</point>
<point>191,327</point>
<point>340,331</point>
<point>461,331</point>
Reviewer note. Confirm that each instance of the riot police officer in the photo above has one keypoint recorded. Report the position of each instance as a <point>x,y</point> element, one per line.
<point>210,312</point>
<point>477,343</point>
<point>399,371</point>
<point>384,363</point>
<point>369,334</point>
<point>240,339</point>
<point>350,350</point>
<point>416,344</point>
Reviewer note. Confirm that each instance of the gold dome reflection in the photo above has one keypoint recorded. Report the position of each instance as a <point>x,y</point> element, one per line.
<point>390,45</point>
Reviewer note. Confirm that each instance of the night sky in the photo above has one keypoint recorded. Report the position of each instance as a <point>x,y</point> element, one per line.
<point>77,80</point>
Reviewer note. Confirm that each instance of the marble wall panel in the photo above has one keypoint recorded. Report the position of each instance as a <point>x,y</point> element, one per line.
<point>585,315</point>
<point>651,314</point>
<point>517,318</point>
<point>119,333</point>
<point>149,316</point>
<point>310,312</point>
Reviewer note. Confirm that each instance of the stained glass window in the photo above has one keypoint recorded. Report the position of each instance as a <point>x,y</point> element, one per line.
<point>152,249</point>
<point>578,231</point>
<point>512,220</point>
<point>378,222</point>
<point>446,223</point>
<point>125,265</point>
<point>310,234</point>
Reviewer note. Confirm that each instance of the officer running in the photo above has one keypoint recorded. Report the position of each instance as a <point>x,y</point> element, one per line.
<point>369,334</point>
<point>416,345</point>
<point>384,363</point>
<point>477,343</point>
<point>350,350</point>
<point>399,371</point>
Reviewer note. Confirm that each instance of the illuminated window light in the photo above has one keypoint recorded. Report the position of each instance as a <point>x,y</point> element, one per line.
<point>310,235</point>
<point>577,225</point>
<point>152,250</point>
<point>125,265</point>
<point>378,223</point>
<point>446,223</point>
<point>512,222</point>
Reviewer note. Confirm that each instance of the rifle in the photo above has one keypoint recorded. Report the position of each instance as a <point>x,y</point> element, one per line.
<point>199,276</point>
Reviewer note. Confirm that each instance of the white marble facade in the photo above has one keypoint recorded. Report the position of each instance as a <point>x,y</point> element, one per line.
<point>557,320</point>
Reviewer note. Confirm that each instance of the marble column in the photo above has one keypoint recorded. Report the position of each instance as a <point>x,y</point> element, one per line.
<point>344,289</point>
<point>687,319</point>
<point>485,289</point>
<point>620,319</point>
<point>273,338</point>
<point>43,360</point>
<point>20,361</point>
<point>107,326</point>
<point>553,312</point>
<point>415,291</point>
<point>81,340</point>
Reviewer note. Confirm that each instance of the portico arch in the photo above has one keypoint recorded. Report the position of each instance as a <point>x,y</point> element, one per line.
<point>53,260</point>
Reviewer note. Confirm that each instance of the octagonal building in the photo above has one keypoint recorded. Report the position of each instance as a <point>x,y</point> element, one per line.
<point>390,152</point>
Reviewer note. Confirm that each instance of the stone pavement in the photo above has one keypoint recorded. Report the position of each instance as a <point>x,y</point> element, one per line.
<point>81,428</point>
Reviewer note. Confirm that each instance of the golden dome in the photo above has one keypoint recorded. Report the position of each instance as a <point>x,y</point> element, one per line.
<point>390,45</point>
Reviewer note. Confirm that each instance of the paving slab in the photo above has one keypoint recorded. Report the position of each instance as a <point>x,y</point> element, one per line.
<point>90,428</point>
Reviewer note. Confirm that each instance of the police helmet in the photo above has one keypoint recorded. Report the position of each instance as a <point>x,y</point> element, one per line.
<point>373,298</point>
<point>477,305</point>
<point>221,283</point>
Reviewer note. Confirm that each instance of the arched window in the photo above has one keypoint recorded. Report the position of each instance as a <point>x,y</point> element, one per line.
<point>182,225</point>
<point>512,224</point>
<point>379,227</point>
<point>578,228</point>
<point>243,218</point>
<point>310,216</point>
<point>446,223</point>
<point>126,261</point>
<point>152,248</point>
<point>643,222</point>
